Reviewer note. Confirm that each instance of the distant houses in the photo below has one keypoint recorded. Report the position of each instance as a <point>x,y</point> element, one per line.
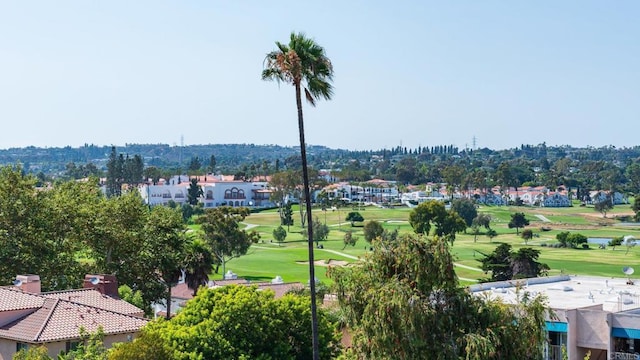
<point>225,190</point>
<point>556,200</point>
<point>598,196</point>
<point>374,191</point>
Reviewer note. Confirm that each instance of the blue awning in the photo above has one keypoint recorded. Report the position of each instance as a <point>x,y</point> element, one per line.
<point>625,333</point>
<point>557,326</point>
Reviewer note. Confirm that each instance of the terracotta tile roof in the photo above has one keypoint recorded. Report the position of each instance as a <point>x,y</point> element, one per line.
<point>224,282</point>
<point>59,319</point>
<point>280,289</point>
<point>96,299</point>
<point>181,291</point>
<point>379,182</point>
<point>14,299</point>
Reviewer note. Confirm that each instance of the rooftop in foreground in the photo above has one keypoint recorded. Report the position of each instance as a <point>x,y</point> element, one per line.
<point>569,292</point>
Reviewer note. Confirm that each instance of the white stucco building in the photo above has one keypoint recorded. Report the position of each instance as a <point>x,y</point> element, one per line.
<point>218,190</point>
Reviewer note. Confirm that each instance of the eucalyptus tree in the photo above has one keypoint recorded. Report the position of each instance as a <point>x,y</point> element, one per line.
<point>223,234</point>
<point>453,175</point>
<point>632,173</point>
<point>303,64</point>
<point>372,230</point>
<point>404,302</point>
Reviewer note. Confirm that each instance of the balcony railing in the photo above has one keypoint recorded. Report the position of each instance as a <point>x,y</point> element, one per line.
<point>554,352</point>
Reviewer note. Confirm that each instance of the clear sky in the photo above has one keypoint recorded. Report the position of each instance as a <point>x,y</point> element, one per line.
<point>410,73</point>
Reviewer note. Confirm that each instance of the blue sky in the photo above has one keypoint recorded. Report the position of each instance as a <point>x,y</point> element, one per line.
<point>410,73</point>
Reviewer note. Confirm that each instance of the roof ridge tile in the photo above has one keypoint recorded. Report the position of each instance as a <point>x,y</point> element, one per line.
<point>48,318</point>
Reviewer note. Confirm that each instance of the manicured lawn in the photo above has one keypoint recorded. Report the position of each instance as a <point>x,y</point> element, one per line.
<point>267,259</point>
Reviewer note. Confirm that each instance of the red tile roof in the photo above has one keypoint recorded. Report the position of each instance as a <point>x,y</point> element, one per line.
<point>60,320</point>
<point>94,298</point>
<point>59,316</point>
<point>14,299</point>
<point>280,289</point>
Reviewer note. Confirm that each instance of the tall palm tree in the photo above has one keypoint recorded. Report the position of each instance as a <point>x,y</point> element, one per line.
<point>303,64</point>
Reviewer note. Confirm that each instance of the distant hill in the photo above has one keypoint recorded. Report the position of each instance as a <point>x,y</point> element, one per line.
<point>233,157</point>
<point>54,160</point>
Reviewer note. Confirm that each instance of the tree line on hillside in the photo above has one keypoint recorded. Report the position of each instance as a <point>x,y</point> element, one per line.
<point>606,168</point>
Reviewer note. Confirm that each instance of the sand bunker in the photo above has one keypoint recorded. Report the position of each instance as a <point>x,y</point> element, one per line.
<point>329,262</point>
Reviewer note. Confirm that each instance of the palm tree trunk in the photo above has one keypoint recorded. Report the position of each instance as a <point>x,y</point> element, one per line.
<point>305,180</point>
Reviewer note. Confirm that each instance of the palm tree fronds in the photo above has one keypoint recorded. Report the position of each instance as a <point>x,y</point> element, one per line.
<point>309,97</point>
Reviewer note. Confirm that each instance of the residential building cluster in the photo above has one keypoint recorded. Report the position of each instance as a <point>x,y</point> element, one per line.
<point>224,190</point>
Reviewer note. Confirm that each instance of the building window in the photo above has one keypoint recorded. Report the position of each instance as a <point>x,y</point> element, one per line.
<point>71,345</point>
<point>625,346</point>
<point>554,347</point>
<point>234,193</point>
<point>21,346</point>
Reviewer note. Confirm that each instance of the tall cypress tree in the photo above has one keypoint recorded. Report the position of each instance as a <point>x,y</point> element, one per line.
<point>112,175</point>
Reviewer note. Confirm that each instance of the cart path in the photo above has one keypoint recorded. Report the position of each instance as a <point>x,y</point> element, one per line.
<point>327,250</point>
<point>542,217</point>
<point>468,267</point>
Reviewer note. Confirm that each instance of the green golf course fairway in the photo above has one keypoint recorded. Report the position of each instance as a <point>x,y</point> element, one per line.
<point>267,258</point>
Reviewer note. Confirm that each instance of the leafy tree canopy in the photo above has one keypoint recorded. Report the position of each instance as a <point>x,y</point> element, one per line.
<point>466,209</point>
<point>518,220</point>
<point>447,223</point>
<point>354,216</point>
<point>279,234</point>
<point>404,302</point>
<point>320,231</point>
<point>349,239</point>
<point>505,264</point>
<point>223,234</point>
<point>372,230</point>
<point>239,322</point>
